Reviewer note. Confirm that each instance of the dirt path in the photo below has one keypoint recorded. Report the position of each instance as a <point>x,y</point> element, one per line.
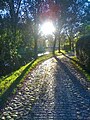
<point>50,92</point>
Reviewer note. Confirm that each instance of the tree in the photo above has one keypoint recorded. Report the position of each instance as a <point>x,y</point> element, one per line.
<point>72,17</point>
<point>19,23</point>
<point>13,36</point>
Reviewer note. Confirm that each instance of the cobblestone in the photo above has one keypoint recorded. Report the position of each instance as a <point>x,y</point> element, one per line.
<point>52,91</point>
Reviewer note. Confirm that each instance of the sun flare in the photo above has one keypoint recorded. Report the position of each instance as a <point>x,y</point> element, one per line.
<point>47,28</point>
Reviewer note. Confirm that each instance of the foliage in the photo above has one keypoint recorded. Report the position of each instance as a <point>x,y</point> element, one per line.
<point>20,20</point>
<point>15,53</point>
<point>16,38</point>
<point>67,48</point>
<point>74,19</point>
<point>83,51</point>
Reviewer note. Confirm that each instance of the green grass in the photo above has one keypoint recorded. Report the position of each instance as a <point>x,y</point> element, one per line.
<point>6,81</point>
<point>10,83</point>
<point>87,75</point>
<point>61,51</point>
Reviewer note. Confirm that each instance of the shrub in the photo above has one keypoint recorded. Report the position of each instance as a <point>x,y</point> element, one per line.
<point>83,51</point>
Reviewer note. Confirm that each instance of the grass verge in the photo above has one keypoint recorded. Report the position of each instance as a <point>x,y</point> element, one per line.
<point>9,84</point>
<point>76,62</point>
<point>87,75</point>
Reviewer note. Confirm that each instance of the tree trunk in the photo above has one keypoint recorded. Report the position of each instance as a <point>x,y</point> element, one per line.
<point>54,46</point>
<point>70,44</point>
<point>59,45</point>
<point>35,47</point>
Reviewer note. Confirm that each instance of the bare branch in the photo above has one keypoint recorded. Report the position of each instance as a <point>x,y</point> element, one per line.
<point>19,3</point>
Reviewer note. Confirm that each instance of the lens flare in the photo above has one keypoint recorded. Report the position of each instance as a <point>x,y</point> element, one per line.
<point>47,28</point>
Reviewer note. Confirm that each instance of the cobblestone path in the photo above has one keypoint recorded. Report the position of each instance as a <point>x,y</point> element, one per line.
<point>52,91</point>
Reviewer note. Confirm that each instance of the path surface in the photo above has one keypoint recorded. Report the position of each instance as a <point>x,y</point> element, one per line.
<point>53,91</point>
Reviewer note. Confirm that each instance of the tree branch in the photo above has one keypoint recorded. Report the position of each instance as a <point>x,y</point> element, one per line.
<point>19,3</point>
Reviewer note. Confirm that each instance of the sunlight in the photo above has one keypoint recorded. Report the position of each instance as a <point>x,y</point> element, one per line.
<point>47,28</point>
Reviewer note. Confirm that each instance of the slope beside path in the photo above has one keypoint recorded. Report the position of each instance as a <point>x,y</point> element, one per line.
<point>52,91</point>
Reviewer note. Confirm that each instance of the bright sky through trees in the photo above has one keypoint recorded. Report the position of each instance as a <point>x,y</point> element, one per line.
<point>47,28</point>
<point>25,23</point>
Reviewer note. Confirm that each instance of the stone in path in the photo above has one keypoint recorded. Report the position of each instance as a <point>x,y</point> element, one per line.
<point>50,92</point>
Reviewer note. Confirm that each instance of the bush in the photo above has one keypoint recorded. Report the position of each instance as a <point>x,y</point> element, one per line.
<point>83,51</point>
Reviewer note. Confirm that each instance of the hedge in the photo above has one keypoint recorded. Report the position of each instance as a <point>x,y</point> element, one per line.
<point>83,51</point>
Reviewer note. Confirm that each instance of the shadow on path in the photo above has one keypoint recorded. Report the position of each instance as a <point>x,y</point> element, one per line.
<point>72,100</point>
<point>64,98</point>
<point>13,86</point>
<point>59,94</point>
<point>77,62</point>
<point>67,71</point>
